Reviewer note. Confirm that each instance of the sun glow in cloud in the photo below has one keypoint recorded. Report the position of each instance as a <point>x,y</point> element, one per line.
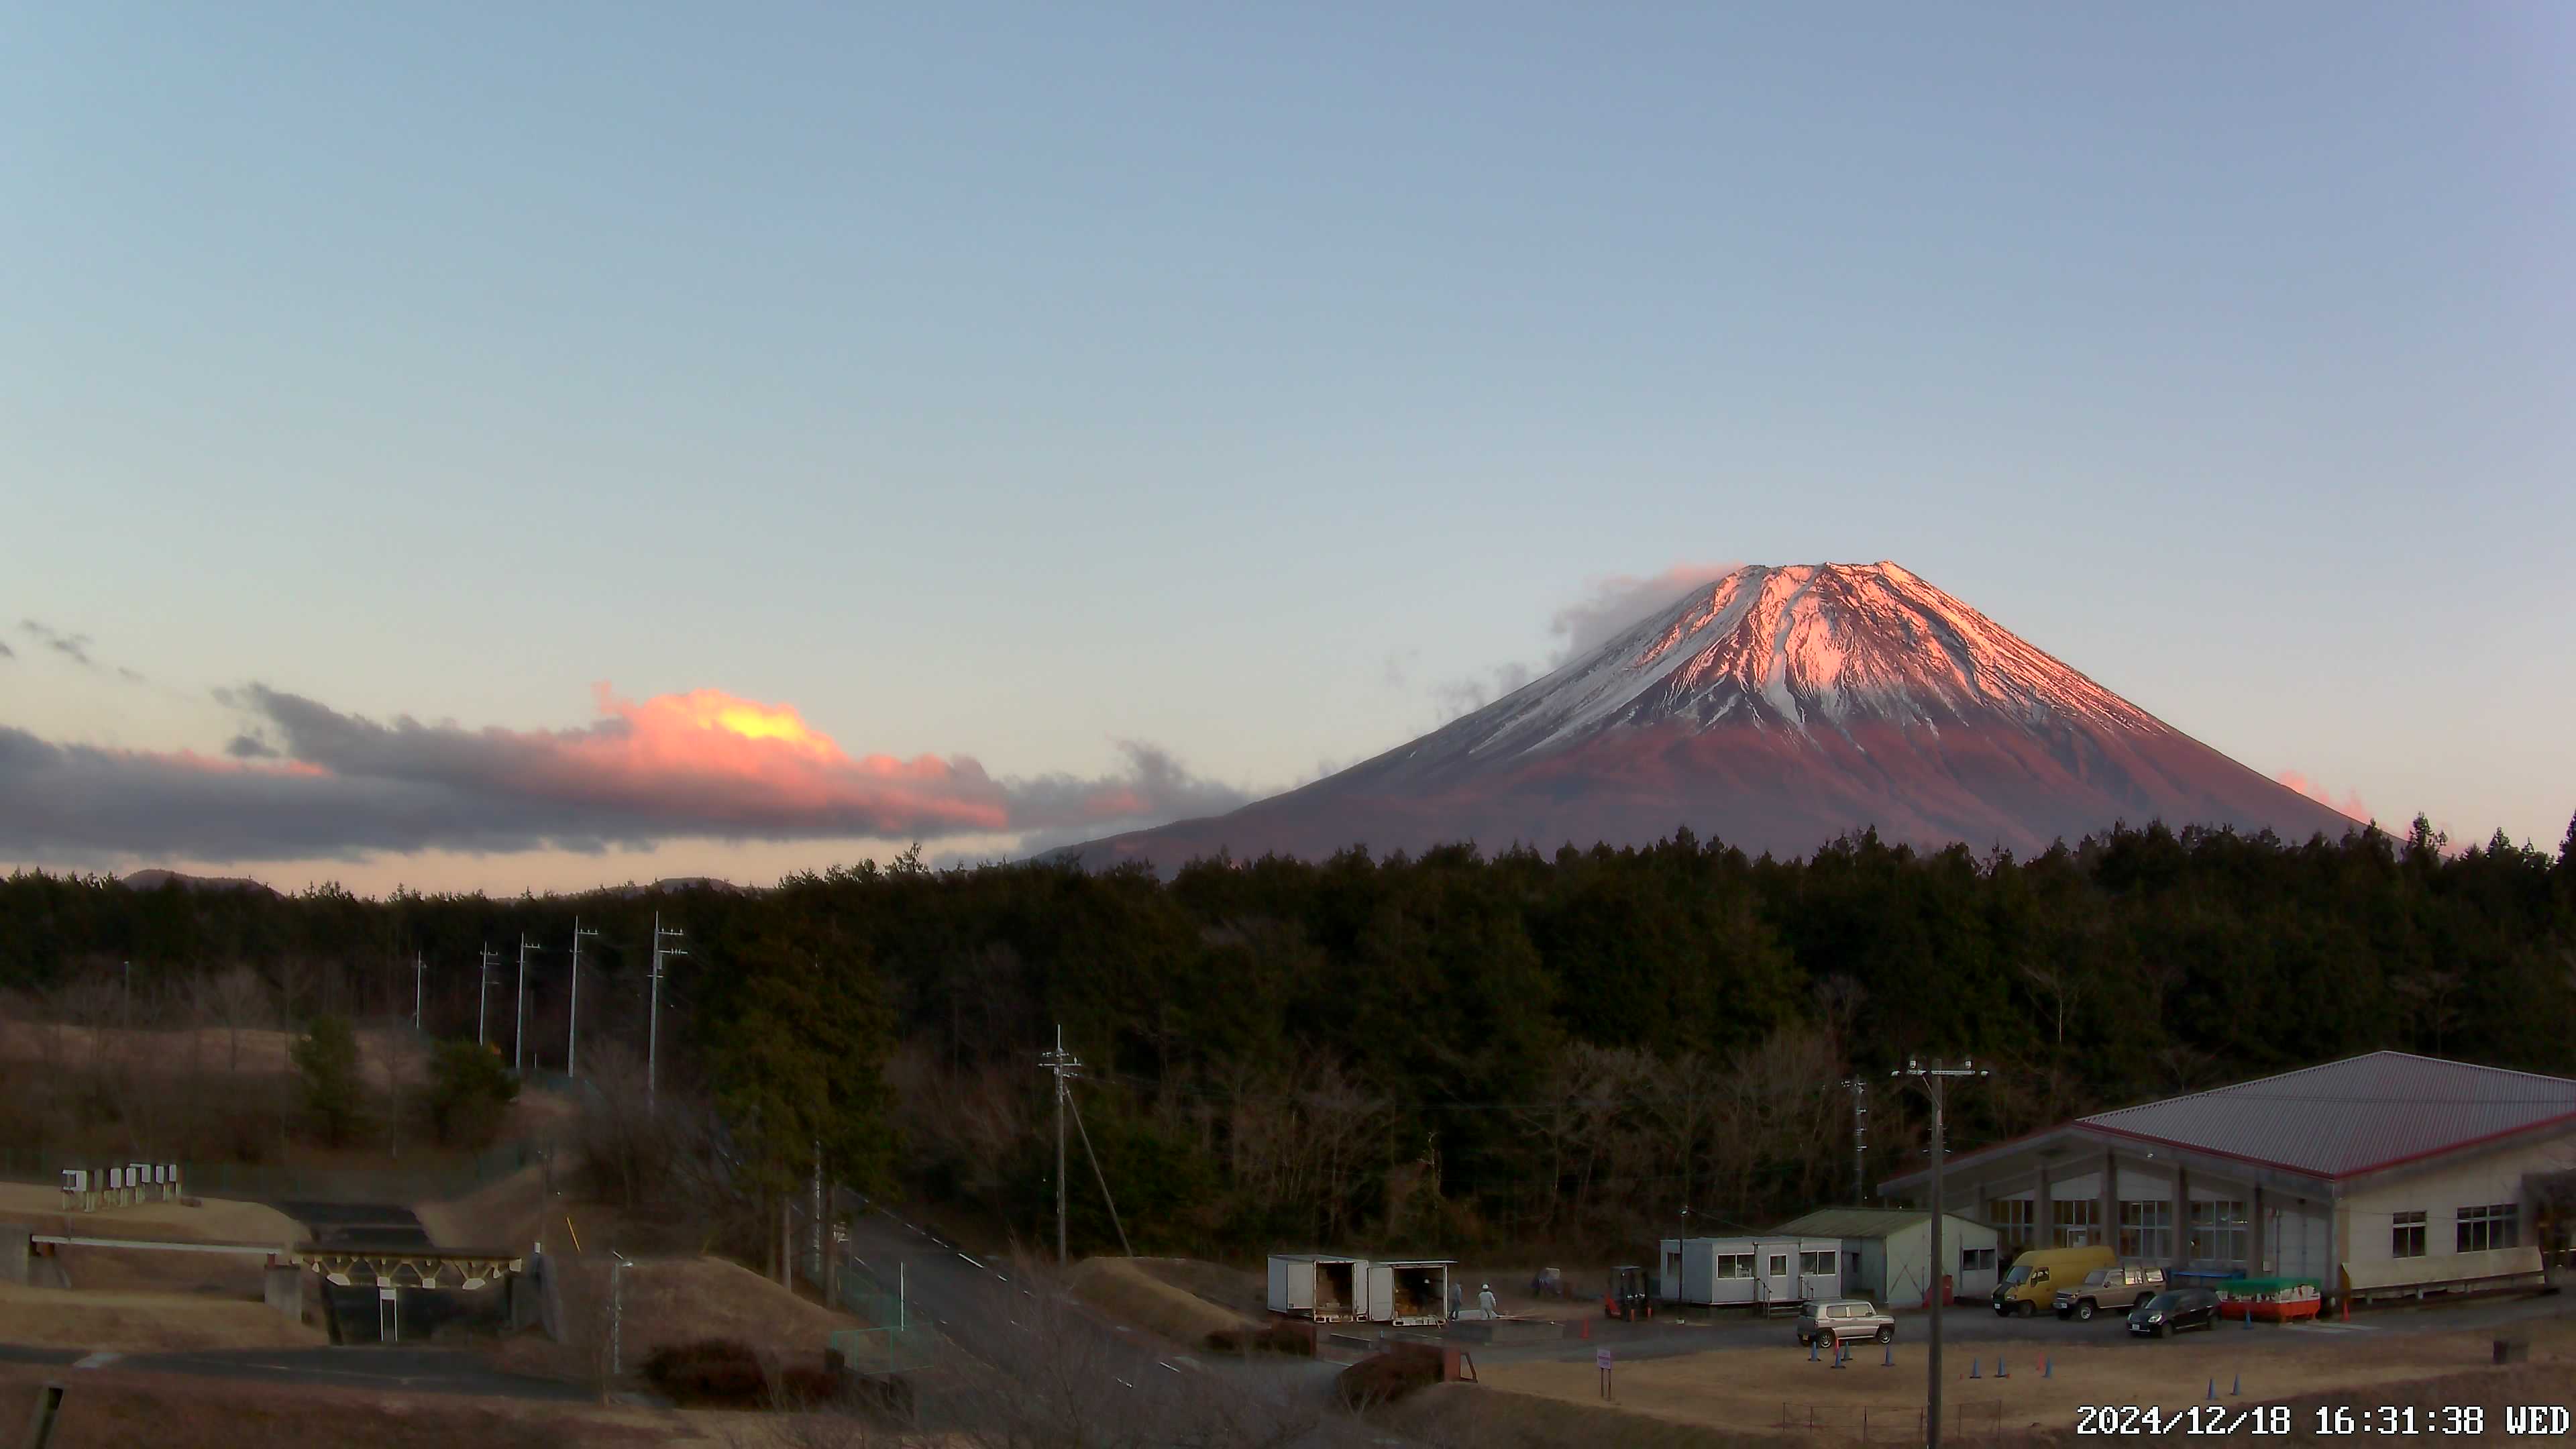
<point>2350,804</point>
<point>304,781</point>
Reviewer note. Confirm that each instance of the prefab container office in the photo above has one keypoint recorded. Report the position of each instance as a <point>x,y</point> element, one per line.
<point>1319,1286</point>
<point>1410,1294</point>
<point>1753,1271</point>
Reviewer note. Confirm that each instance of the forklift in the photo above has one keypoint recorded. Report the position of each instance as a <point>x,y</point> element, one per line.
<point>1631,1297</point>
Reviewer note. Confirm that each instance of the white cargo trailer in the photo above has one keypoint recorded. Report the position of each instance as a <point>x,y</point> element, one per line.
<point>1319,1286</point>
<point>1409,1293</point>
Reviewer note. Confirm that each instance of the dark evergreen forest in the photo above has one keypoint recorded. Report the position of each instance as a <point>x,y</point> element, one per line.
<point>1448,1050</point>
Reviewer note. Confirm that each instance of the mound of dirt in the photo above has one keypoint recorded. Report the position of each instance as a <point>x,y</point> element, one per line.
<point>1236,1290</point>
<point>512,1213</point>
<point>1126,1291</point>
<point>668,1303</point>
<point>144,1322</point>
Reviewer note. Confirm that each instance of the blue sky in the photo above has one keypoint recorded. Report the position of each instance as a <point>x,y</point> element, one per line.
<point>1007,381</point>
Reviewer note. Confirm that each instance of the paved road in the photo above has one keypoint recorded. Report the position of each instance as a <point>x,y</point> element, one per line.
<point>982,1309</point>
<point>412,1370</point>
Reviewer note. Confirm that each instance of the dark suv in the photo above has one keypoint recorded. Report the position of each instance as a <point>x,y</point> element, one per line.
<point>2174,1310</point>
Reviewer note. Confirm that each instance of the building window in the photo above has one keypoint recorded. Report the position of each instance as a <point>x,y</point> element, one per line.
<point>2146,1230</point>
<point>2406,1235</point>
<point>2075,1224</point>
<point>1779,1265</point>
<point>2218,1232</point>
<point>1735,1265</point>
<point>2492,1226</point>
<point>1976,1260</point>
<point>2012,1219</point>
<point>1819,1265</point>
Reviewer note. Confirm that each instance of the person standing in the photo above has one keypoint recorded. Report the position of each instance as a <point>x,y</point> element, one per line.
<point>1485,1300</point>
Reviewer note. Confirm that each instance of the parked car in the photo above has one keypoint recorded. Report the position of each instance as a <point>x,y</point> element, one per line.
<point>2032,1279</point>
<point>1839,1320</point>
<point>2174,1310</point>
<point>2120,1288</point>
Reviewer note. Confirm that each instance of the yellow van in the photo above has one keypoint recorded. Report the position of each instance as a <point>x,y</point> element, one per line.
<point>2032,1282</point>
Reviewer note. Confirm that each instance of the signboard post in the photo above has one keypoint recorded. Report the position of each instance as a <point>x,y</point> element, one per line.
<point>1601,1360</point>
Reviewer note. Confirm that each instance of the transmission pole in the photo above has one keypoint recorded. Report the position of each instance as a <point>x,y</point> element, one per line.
<point>419,977</point>
<point>483,994</point>
<point>572,1035</point>
<point>1860,1140</point>
<point>653,1023</point>
<point>1934,1079</point>
<point>1066,1067</point>
<point>519,1014</point>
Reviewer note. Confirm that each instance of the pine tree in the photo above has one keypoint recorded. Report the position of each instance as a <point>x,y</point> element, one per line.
<point>326,1058</point>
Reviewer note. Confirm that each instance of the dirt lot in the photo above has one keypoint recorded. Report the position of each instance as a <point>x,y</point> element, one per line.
<point>1750,1390</point>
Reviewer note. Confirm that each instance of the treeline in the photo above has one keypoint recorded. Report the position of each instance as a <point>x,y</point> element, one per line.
<point>1447,1050</point>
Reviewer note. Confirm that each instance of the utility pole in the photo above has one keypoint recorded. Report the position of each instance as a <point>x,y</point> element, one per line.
<point>483,993</point>
<point>1066,1067</point>
<point>572,1036</point>
<point>519,1014</point>
<point>419,978</point>
<point>1933,1079</point>
<point>653,1024</point>
<point>1860,1140</point>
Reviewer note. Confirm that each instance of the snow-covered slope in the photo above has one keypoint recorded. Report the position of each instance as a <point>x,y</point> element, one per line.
<point>1773,709</point>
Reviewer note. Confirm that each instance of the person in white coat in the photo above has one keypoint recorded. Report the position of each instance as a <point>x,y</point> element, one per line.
<point>1485,1299</point>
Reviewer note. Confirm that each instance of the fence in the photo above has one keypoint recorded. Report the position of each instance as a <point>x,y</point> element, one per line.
<point>895,1341</point>
<point>277,1182</point>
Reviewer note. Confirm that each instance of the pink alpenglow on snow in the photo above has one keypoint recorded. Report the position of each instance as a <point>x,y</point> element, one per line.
<point>1774,709</point>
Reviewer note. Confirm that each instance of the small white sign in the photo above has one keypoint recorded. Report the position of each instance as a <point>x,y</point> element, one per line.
<point>1601,1358</point>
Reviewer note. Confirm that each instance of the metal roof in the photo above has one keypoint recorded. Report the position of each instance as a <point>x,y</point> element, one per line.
<point>2350,1117</point>
<point>1860,1223</point>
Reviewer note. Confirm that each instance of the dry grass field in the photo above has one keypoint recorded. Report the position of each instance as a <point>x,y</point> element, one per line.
<point>250,1051</point>
<point>115,1409</point>
<point>1131,1292</point>
<point>1761,1391</point>
<point>144,1322</point>
<point>214,1220</point>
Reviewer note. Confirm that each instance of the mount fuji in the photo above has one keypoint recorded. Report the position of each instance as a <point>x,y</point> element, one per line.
<point>1776,709</point>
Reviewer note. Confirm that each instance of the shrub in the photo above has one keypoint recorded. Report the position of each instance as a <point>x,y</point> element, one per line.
<point>1383,1378</point>
<point>467,1094</point>
<point>715,1372</point>
<point>1266,1338</point>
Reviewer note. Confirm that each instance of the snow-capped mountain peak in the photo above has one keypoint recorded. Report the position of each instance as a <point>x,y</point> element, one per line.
<point>1801,647</point>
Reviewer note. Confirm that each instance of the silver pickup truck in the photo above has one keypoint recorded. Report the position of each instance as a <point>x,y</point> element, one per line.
<point>2115,1289</point>
<point>1839,1320</point>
